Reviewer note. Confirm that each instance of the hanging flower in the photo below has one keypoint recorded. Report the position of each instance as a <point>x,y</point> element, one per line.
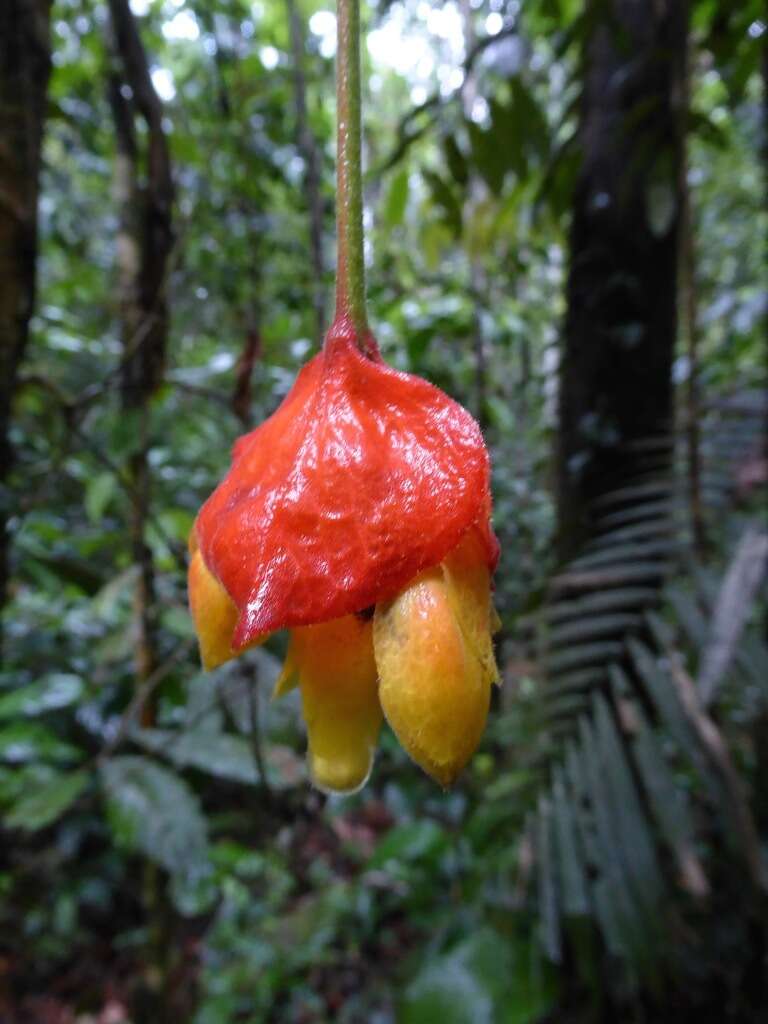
<point>357,516</point>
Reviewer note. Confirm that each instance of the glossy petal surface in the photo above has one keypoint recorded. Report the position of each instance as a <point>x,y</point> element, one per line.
<point>339,695</point>
<point>362,478</point>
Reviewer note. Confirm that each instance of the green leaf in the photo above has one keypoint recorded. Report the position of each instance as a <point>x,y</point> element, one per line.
<point>126,434</point>
<point>572,871</point>
<point>549,917</point>
<point>488,156</point>
<point>664,696</point>
<point>98,493</point>
<point>668,801</point>
<point>449,991</point>
<point>579,655</point>
<point>153,810</point>
<point>483,980</point>
<point>419,840</point>
<point>436,240</point>
<point>397,199</point>
<point>616,906</point>
<point>602,600</point>
<point>118,591</point>
<point>626,553</point>
<point>633,828</point>
<point>30,741</point>
<point>42,806</point>
<point>221,755</point>
<point>457,162</point>
<point>57,690</point>
<point>657,527</point>
<point>528,120</point>
<point>178,621</point>
<point>279,719</point>
<point>445,198</point>
<point>591,626</point>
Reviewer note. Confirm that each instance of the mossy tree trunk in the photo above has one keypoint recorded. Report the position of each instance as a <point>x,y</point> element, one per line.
<point>144,194</point>
<point>25,64</point>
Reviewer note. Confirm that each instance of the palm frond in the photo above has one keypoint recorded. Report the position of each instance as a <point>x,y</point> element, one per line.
<point>642,805</point>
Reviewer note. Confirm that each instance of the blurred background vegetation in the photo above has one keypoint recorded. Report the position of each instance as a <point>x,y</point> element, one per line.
<point>566,230</point>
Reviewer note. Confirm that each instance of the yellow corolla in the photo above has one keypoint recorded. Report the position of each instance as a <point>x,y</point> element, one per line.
<point>425,659</point>
<point>435,661</point>
<point>334,666</point>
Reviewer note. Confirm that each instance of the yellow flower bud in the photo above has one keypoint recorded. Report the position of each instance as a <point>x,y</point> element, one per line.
<point>435,661</point>
<point>469,591</point>
<point>337,675</point>
<point>213,613</point>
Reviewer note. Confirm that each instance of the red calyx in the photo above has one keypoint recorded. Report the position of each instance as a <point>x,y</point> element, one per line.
<point>363,477</point>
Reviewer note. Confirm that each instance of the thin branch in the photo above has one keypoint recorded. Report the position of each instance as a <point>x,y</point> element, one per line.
<point>200,391</point>
<point>241,395</point>
<point>254,734</point>
<point>717,754</point>
<point>307,145</point>
<point>139,79</point>
<point>68,411</point>
<point>734,602</point>
<point>143,693</point>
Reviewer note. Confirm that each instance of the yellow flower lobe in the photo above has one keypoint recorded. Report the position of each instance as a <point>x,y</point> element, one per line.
<point>435,661</point>
<point>213,612</point>
<point>337,676</point>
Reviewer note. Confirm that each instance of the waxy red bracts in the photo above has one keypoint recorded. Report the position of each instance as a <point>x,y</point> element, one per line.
<point>357,516</point>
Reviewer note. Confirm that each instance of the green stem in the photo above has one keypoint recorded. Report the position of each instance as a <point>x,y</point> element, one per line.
<point>350,266</point>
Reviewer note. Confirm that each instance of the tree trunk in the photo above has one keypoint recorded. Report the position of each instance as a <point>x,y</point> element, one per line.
<point>144,193</point>
<point>621,323</point>
<point>764,76</point>
<point>761,727</point>
<point>689,291</point>
<point>25,64</point>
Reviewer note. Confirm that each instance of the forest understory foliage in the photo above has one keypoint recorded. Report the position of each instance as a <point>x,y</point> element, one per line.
<point>565,218</point>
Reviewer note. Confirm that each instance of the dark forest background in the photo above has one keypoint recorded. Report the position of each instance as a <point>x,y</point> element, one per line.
<point>566,230</point>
